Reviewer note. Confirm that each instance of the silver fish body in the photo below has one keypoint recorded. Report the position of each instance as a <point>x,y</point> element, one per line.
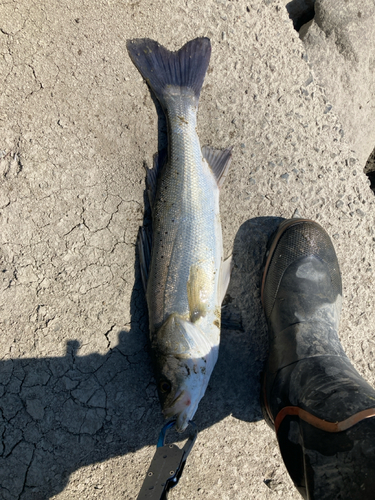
<point>186,224</point>
<point>185,275</point>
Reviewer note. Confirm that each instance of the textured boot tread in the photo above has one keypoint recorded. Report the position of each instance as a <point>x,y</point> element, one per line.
<point>302,239</point>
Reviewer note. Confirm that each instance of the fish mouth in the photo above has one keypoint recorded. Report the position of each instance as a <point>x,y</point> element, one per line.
<point>180,405</point>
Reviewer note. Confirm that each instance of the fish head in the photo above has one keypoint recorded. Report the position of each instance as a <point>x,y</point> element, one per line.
<point>184,360</point>
<point>181,386</point>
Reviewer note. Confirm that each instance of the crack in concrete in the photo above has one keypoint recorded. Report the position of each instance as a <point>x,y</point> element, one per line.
<point>27,471</point>
<point>106,335</point>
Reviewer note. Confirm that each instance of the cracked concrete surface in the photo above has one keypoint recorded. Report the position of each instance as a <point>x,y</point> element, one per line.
<point>79,415</point>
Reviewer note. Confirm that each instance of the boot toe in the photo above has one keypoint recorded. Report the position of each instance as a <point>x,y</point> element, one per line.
<point>304,245</point>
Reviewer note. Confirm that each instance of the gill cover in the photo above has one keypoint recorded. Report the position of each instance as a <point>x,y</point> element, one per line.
<point>184,360</point>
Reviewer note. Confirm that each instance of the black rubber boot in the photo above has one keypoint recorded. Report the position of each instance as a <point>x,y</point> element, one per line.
<point>320,407</point>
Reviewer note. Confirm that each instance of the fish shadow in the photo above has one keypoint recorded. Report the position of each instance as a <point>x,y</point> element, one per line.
<point>234,388</point>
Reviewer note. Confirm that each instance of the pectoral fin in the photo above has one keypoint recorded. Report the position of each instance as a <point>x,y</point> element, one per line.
<point>197,292</point>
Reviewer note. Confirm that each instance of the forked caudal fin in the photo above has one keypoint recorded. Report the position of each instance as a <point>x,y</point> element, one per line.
<point>162,68</point>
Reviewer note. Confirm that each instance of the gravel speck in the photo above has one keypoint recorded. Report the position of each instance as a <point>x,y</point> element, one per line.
<point>360,212</point>
<point>296,214</point>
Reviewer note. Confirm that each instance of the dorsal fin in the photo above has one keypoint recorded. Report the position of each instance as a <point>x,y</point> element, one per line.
<point>219,161</point>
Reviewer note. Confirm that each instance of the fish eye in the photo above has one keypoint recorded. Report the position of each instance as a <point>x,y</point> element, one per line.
<point>165,386</point>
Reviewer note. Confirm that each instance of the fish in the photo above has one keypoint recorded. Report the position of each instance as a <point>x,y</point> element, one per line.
<point>183,270</point>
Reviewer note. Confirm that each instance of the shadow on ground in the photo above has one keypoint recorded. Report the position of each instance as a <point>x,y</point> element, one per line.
<point>59,414</point>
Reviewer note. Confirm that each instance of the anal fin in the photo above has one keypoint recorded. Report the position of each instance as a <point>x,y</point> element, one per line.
<point>144,249</point>
<point>198,292</point>
<point>152,174</point>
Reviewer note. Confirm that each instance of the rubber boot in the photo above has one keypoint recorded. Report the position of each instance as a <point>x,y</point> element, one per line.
<point>321,409</point>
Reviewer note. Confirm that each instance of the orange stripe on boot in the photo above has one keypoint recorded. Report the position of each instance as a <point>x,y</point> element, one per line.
<point>320,423</point>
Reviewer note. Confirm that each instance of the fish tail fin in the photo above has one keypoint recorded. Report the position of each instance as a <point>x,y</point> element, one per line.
<point>162,68</point>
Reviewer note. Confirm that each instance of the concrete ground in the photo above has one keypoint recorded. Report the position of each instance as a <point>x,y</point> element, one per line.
<point>79,410</point>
